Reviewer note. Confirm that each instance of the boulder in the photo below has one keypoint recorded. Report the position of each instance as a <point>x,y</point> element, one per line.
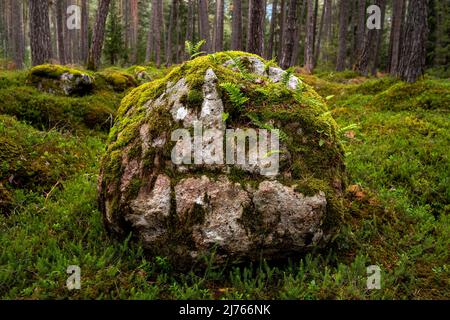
<point>60,80</point>
<point>228,154</point>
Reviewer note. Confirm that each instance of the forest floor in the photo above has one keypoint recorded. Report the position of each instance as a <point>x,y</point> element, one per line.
<point>396,137</point>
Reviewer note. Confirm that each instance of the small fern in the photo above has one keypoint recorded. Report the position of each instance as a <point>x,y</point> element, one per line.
<point>238,64</point>
<point>237,98</point>
<point>254,119</point>
<point>287,76</point>
<point>194,50</point>
<point>270,63</point>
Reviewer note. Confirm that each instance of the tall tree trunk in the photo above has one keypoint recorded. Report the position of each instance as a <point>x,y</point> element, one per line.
<point>84,30</point>
<point>134,25</point>
<point>413,52</point>
<point>289,35</point>
<point>40,41</point>
<point>315,17</point>
<point>190,27</point>
<point>360,26</point>
<point>169,46</point>
<point>379,36</point>
<point>255,36</point>
<point>282,31</point>
<point>298,33</point>
<point>236,31</point>
<point>18,34</point>
<point>158,31</point>
<point>204,23</point>
<point>151,33</point>
<point>309,39</point>
<point>273,22</point>
<point>328,28</point>
<point>218,30</point>
<point>60,14</point>
<point>343,24</point>
<point>395,42</point>
<point>319,37</point>
<point>95,51</point>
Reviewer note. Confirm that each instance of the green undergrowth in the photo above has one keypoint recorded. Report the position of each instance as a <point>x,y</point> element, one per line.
<point>397,208</point>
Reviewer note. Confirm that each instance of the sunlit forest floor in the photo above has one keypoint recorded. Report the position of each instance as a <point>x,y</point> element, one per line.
<point>396,137</point>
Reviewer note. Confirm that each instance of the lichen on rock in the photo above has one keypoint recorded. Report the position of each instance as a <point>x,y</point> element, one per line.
<point>186,210</point>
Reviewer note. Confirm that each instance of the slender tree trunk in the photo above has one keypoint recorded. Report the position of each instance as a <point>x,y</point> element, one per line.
<point>95,51</point>
<point>84,30</point>
<point>298,33</point>
<point>40,41</point>
<point>204,23</point>
<point>282,31</point>
<point>134,25</point>
<point>151,32</point>
<point>309,39</point>
<point>18,34</point>
<point>319,37</point>
<point>379,36</point>
<point>360,26</point>
<point>60,14</point>
<point>413,52</point>
<point>273,21</point>
<point>343,24</point>
<point>172,19</point>
<point>255,37</point>
<point>315,17</point>
<point>328,28</point>
<point>218,34</point>
<point>291,24</point>
<point>190,27</point>
<point>395,42</point>
<point>236,32</point>
<point>158,31</point>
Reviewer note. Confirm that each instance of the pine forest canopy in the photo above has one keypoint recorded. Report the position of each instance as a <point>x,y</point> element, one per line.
<point>409,35</point>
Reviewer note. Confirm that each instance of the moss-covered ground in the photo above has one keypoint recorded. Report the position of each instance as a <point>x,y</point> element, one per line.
<point>396,138</point>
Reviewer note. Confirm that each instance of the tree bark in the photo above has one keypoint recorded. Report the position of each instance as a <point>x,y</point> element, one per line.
<point>255,37</point>
<point>18,34</point>
<point>343,24</point>
<point>309,39</point>
<point>360,26</point>
<point>95,51</point>
<point>40,41</point>
<point>273,22</point>
<point>218,30</point>
<point>236,32</point>
<point>379,36</point>
<point>134,25</point>
<point>413,52</point>
<point>60,14</point>
<point>158,31</point>
<point>328,28</point>
<point>282,31</point>
<point>319,38</point>
<point>204,24</point>
<point>289,35</point>
<point>84,30</point>
<point>395,42</point>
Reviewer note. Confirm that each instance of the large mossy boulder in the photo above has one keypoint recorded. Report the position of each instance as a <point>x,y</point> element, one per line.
<point>238,211</point>
<point>61,80</point>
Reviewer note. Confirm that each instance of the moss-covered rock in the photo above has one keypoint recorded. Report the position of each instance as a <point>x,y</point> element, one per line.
<point>62,80</point>
<point>241,211</point>
<point>115,79</point>
<point>33,161</point>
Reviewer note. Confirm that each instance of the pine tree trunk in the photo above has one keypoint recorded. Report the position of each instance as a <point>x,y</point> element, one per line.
<point>273,21</point>
<point>60,14</point>
<point>395,42</point>
<point>158,31</point>
<point>328,28</point>
<point>413,52</point>
<point>236,41</point>
<point>319,38</point>
<point>151,32</point>
<point>342,41</point>
<point>282,31</point>
<point>255,31</point>
<point>18,34</point>
<point>40,41</point>
<point>95,51</point>
<point>172,17</point>
<point>360,27</point>
<point>379,36</point>
<point>204,24</point>
<point>134,25</point>
<point>309,39</point>
<point>218,30</point>
<point>289,35</point>
<point>84,30</point>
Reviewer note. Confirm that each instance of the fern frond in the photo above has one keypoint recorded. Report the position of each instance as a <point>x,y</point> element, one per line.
<point>237,98</point>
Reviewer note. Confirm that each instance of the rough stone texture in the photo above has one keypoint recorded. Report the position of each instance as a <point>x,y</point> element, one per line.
<point>186,211</point>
